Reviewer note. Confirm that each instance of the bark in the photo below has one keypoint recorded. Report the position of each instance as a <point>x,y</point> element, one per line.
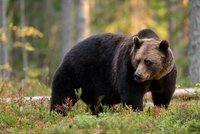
<point>186,93</point>
<point>172,7</point>
<point>82,19</point>
<point>23,39</point>
<point>66,26</point>
<point>194,40</point>
<point>177,16</point>
<point>4,69</point>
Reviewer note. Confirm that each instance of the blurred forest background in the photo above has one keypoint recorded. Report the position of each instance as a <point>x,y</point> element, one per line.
<point>35,34</point>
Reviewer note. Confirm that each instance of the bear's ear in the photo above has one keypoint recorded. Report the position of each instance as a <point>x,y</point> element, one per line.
<point>137,42</point>
<point>164,45</point>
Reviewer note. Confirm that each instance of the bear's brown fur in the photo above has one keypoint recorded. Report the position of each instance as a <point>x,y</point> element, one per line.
<point>116,68</point>
<point>152,58</point>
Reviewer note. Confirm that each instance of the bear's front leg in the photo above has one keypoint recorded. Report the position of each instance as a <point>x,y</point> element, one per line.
<point>163,98</point>
<point>133,95</point>
<point>164,89</point>
<point>134,100</point>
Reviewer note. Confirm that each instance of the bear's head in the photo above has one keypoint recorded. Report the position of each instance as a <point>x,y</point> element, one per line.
<point>152,59</point>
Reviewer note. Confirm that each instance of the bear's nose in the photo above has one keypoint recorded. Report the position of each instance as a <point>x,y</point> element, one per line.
<point>137,77</point>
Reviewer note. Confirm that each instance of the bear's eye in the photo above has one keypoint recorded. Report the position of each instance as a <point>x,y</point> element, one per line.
<point>138,61</point>
<point>147,62</point>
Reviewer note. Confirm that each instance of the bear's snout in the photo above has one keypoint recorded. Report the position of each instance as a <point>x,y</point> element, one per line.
<point>137,77</point>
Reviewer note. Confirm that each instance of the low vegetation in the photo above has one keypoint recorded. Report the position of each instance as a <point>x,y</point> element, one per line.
<point>30,116</point>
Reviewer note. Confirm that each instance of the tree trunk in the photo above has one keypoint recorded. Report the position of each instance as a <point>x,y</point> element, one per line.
<point>138,15</point>
<point>4,65</point>
<point>194,40</point>
<point>172,6</point>
<point>82,19</point>
<point>23,38</point>
<point>66,26</point>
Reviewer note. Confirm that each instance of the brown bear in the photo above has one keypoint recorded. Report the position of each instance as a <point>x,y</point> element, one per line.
<point>116,68</point>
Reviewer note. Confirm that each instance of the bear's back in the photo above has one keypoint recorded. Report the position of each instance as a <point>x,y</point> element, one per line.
<point>97,45</point>
<point>147,33</point>
<point>93,56</point>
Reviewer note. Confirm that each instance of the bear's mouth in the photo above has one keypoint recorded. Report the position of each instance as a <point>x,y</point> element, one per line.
<point>139,79</point>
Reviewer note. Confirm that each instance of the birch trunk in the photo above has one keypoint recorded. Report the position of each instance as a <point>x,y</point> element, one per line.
<point>194,40</point>
<point>66,26</point>
<point>23,39</point>
<point>82,19</point>
<point>4,65</point>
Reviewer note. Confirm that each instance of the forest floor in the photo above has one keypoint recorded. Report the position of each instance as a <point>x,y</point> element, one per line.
<point>33,116</point>
<point>19,116</point>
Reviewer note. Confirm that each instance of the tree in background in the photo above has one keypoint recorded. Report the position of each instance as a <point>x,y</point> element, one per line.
<point>138,16</point>
<point>66,26</point>
<point>23,38</point>
<point>4,65</point>
<point>75,20</point>
<point>194,40</point>
<point>82,19</point>
<point>177,23</point>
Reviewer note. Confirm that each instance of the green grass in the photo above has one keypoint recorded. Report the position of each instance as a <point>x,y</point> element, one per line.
<point>25,87</point>
<point>21,117</point>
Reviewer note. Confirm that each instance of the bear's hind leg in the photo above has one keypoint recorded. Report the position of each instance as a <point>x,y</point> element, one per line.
<point>63,92</point>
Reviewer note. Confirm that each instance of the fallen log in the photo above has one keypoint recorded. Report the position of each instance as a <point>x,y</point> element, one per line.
<point>179,93</point>
<point>182,93</point>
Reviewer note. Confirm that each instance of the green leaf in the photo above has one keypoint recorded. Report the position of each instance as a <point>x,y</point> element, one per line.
<point>29,47</point>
